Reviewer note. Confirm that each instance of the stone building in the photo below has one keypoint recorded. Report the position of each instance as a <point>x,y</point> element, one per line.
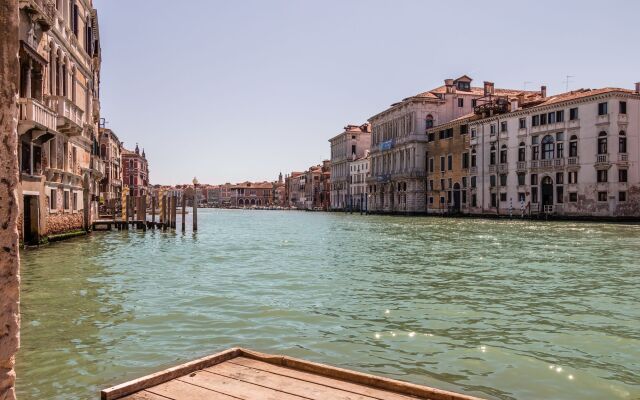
<point>397,182</point>
<point>294,186</point>
<point>345,147</point>
<point>252,194</point>
<point>59,112</point>
<point>135,171</point>
<point>358,187</point>
<point>111,155</point>
<point>573,154</point>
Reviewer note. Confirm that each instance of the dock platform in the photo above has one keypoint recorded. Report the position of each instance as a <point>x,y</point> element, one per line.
<point>239,373</point>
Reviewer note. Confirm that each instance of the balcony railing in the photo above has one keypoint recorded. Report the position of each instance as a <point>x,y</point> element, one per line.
<point>31,110</point>
<point>572,161</point>
<point>623,157</point>
<point>492,169</point>
<point>503,168</point>
<point>70,116</point>
<point>98,166</point>
<point>535,163</point>
<point>522,165</point>
<point>602,158</point>
<point>473,170</point>
<point>558,162</point>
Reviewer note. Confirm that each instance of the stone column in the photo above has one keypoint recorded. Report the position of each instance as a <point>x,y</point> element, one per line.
<point>9,256</point>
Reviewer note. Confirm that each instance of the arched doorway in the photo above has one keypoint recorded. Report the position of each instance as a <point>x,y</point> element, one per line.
<point>253,202</point>
<point>241,203</point>
<point>456,197</point>
<point>547,191</point>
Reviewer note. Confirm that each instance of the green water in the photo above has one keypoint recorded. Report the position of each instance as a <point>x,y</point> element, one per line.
<point>497,309</point>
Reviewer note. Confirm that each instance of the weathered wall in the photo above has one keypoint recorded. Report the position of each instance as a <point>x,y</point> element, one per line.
<point>9,257</point>
<point>60,223</point>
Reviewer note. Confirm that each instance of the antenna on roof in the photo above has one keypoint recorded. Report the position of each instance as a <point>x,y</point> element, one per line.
<point>524,85</point>
<point>568,78</point>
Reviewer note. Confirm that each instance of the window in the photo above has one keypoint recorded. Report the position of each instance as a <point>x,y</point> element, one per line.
<point>473,133</point>
<point>543,119</point>
<point>441,184</point>
<point>441,163</point>
<point>429,121</point>
<point>449,162</point>
<point>547,147</point>
<point>503,126</point>
<point>622,196</point>
<point>573,114</point>
<point>449,183</point>
<point>431,200</point>
<point>431,137</point>
<point>535,152</point>
<point>503,180</point>
<point>560,116</point>
<point>66,200</point>
<point>535,120</point>
<point>573,146</point>
<point>474,102</point>
<point>534,140</point>
<point>464,129</point>
<point>431,165</point>
<point>494,200</point>
<point>622,175</point>
<point>464,182</point>
<point>560,150</point>
<point>573,197</point>
<point>521,197</point>
<point>431,184</point>
<point>623,107</point>
<point>465,160</point>
<point>559,178</point>
<point>551,117</point>
<point>492,180</point>
<point>492,129</point>
<point>441,134</point>
<point>503,154</point>
<point>460,102</point>
<point>560,136</point>
<point>522,152</point>
<point>521,179</point>
<point>622,142</point>
<point>503,197</point>
<point>602,175</point>
<point>75,201</point>
<point>473,158</point>
<point>463,85</point>
<point>464,197</point>
<point>572,177</point>
<point>534,179</point>
<point>523,123</point>
<point>474,200</point>
<point>602,196</point>
<point>442,200</point>
<point>53,201</point>
<point>559,194</point>
<point>602,142</point>
<point>492,155</point>
<point>534,194</point>
<point>602,108</point>
<point>473,181</point>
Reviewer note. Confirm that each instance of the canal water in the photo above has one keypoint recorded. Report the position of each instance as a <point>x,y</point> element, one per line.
<point>497,309</point>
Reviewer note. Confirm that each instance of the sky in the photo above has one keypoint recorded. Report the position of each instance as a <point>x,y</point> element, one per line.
<point>237,90</point>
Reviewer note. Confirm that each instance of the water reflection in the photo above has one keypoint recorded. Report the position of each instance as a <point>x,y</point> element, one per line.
<point>468,305</point>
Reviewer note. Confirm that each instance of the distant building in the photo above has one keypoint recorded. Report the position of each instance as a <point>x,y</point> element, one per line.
<point>358,192</point>
<point>111,154</point>
<point>252,194</point>
<point>135,171</point>
<point>345,147</point>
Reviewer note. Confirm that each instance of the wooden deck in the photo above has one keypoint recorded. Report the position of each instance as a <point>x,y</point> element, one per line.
<point>244,374</point>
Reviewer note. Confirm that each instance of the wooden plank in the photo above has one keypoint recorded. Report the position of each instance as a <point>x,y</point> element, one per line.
<point>144,395</point>
<point>237,388</point>
<point>358,377</point>
<point>148,381</point>
<point>317,379</point>
<point>179,390</point>
<point>303,388</point>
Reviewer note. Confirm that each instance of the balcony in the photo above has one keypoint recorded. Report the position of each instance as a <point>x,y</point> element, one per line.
<point>558,162</point>
<point>535,164</point>
<point>623,159</point>
<point>98,167</point>
<point>70,116</point>
<point>34,114</point>
<point>602,161</point>
<point>573,162</point>
<point>43,11</point>
<point>573,124</point>
<point>522,166</point>
<point>602,119</point>
<point>492,169</point>
<point>623,119</point>
<point>503,168</point>
<point>473,170</point>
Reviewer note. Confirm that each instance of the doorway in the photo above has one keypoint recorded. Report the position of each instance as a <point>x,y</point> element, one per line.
<point>547,192</point>
<point>456,198</point>
<point>30,218</point>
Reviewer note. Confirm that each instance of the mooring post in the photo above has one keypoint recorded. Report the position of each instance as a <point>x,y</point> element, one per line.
<point>153,211</point>
<point>168,214</point>
<point>143,207</point>
<point>173,211</point>
<point>195,211</point>
<point>184,209</point>
<point>164,212</point>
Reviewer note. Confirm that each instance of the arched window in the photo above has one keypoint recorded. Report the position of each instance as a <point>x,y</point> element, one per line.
<point>602,143</point>
<point>522,152</point>
<point>547,147</point>
<point>503,154</point>
<point>492,157</point>
<point>622,142</point>
<point>573,146</point>
<point>429,121</point>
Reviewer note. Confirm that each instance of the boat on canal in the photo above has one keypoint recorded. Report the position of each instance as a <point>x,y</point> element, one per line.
<point>239,373</point>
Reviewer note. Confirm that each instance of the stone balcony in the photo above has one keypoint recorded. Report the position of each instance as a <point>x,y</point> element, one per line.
<point>521,166</point>
<point>623,159</point>
<point>98,167</point>
<point>34,114</point>
<point>602,161</point>
<point>43,12</point>
<point>602,119</point>
<point>70,116</point>
<point>623,119</point>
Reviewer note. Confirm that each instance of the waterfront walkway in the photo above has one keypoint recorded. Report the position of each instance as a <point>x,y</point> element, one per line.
<point>243,374</point>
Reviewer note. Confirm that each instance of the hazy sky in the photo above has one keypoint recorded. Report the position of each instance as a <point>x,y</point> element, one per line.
<point>235,90</point>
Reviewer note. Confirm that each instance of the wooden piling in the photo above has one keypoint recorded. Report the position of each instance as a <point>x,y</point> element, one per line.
<point>143,208</point>
<point>175,211</point>
<point>163,215</point>
<point>195,210</point>
<point>184,209</point>
<point>153,210</point>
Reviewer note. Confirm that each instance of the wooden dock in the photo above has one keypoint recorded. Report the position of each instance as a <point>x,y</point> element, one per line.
<point>244,374</point>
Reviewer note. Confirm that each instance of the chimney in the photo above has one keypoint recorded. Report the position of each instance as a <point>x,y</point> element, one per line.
<point>488,88</point>
<point>448,83</point>
<point>543,91</point>
<point>637,87</point>
<point>514,104</point>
